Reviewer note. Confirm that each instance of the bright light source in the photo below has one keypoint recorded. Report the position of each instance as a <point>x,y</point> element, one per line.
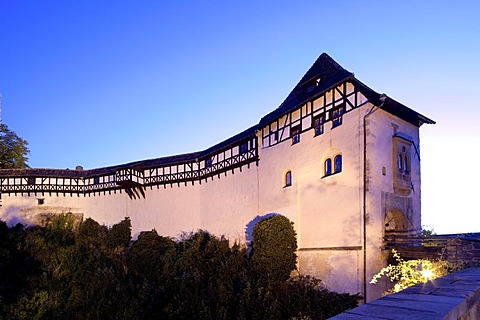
<point>428,274</point>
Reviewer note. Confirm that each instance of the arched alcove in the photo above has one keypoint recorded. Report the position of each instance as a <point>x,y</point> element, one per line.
<point>395,222</point>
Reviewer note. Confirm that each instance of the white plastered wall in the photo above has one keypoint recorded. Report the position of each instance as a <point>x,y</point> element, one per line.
<point>327,212</point>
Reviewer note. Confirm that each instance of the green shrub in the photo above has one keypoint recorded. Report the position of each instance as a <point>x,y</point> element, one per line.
<point>274,248</point>
<point>81,274</point>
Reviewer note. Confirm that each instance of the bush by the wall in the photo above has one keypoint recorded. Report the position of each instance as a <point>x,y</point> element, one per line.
<point>274,248</point>
<point>85,274</point>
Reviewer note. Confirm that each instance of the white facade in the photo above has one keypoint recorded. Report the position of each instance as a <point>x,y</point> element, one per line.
<point>340,217</point>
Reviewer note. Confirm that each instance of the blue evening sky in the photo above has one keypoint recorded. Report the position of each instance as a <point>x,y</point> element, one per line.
<point>99,83</point>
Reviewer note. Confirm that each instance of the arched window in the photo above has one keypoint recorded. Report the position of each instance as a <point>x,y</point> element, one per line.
<point>288,179</point>
<point>337,164</point>
<point>328,167</point>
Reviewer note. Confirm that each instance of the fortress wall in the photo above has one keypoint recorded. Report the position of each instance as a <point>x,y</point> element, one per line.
<point>168,210</point>
<point>227,204</point>
<point>25,208</point>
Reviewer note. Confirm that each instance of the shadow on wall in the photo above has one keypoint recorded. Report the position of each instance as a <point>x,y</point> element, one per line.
<point>251,225</point>
<point>37,215</point>
<point>12,216</point>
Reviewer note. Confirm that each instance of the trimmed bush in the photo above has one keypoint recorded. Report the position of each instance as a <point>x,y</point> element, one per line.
<point>274,248</point>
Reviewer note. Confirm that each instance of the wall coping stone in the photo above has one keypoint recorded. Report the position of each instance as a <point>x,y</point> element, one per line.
<point>454,296</point>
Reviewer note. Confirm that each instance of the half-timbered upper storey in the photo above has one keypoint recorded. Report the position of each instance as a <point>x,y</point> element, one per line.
<point>321,98</point>
<point>318,102</point>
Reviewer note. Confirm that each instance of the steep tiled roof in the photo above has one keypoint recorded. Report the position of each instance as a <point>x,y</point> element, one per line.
<point>392,106</point>
<point>330,74</point>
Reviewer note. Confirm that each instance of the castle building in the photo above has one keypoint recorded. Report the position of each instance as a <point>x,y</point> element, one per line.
<point>338,159</point>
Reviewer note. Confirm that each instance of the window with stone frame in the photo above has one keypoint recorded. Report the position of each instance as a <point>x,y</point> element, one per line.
<point>337,163</point>
<point>403,161</point>
<point>327,167</point>
<point>287,179</point>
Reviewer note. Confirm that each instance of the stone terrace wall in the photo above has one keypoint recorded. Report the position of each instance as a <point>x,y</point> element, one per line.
<point>459,249</point>
<point>454,296</point>
<point>464,251</point>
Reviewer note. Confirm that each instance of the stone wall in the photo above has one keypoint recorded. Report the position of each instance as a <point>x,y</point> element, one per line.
<point>454,296</point>
<point>463,251</point>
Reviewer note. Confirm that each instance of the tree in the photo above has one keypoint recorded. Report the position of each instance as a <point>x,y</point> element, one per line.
<point>120,234</point>
<point>13,149</point>
<point>274,246</point>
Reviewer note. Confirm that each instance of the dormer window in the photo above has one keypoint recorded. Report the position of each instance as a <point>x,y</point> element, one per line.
<point>309,86</point>
<point>295,134</point>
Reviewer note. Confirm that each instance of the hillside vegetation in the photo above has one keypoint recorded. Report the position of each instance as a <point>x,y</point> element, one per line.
<point>66,270</point>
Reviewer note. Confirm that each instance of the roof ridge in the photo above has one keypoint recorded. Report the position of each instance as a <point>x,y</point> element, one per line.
<point>324,68</point>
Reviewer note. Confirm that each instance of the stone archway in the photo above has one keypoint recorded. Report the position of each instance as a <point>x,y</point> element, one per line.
<point>395,222</point>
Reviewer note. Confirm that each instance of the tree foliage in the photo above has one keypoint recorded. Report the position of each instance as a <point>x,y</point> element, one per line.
<point>274,248</point>
<point>13,149</point>
<point>66,270</point>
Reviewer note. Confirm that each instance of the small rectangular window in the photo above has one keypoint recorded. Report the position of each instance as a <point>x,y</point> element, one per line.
<point>244,148</point>
<point>318,122</point>
<point>337,115</point>
<point>31,181</point>
<point>96,180</point>
<point>295,134</point>
<point>208,163</point>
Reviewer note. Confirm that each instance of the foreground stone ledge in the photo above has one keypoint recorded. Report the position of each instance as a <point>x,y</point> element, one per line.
<point>454,296</point>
